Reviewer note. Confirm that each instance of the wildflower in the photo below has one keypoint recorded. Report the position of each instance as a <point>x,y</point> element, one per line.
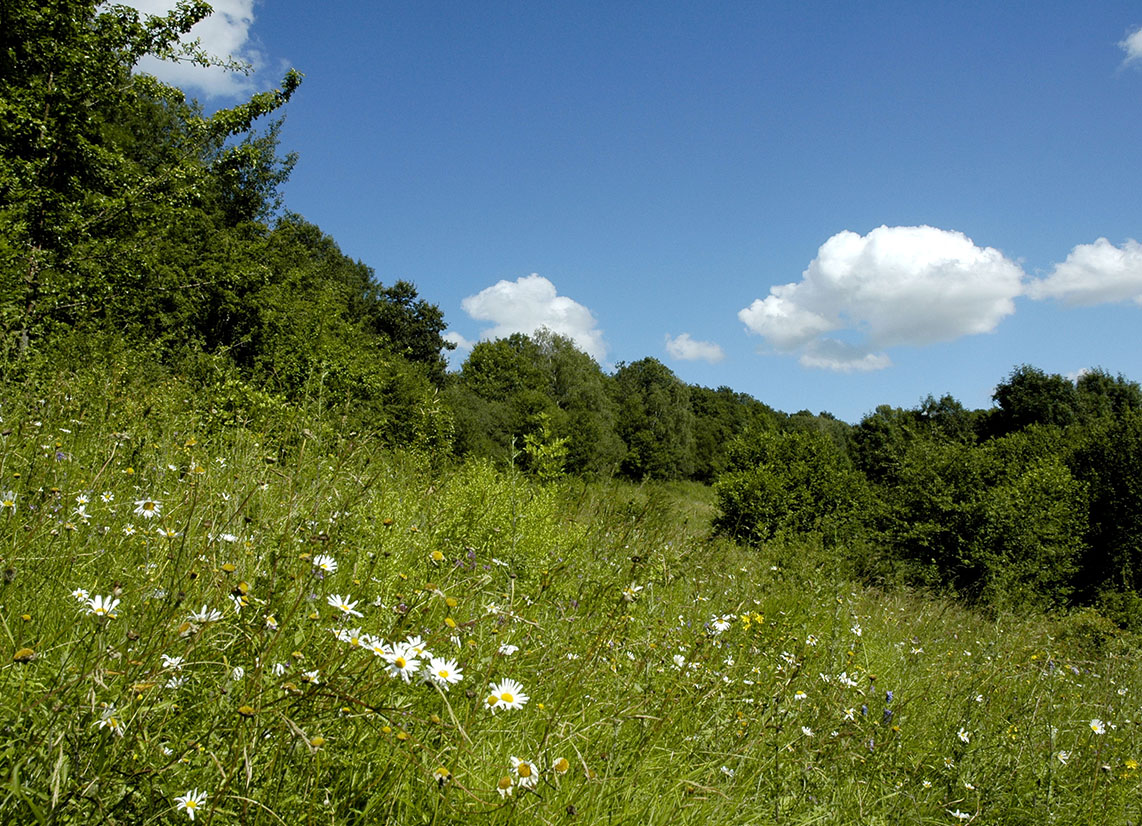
<point>856,629</point>
<point>630,593</point>
<point>560,766</point>
<point>191,802</point>
<point>99,606</point>
<point>237,673</point>
<point>166,533</point>
<point>721,624</point>
<point>271,623</point>
<point>727,771</point>
<point>109,718</point>
<point>679,661</point>
<point>172,663</point>
<point>352,636</point>
<point>8,501</point>
<point>850,714</point>
<point>81,594</point>
<point>444,673</point>
<point>800,695</point>
<point>416,645</point>
<point>507,649</point>
<point>527,775</point>
<point>129,530</point>
<point>811,639</point>
<point>1097,726</point>
<point>506,694</point>
<point>343,604</point>
<point>325,564</point>
<point>441,775</point>
<point>205,614</point>
<point>402,661</point>
<point>107,497</point>
<point>958,815</point>
<point>148,508</point>
<point>963,735</point>
<point>505,786</point>
<point>311,677</point>
<point>176,681</point>
<point>808,732</point>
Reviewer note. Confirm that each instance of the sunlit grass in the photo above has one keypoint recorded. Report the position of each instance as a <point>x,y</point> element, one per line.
<point>203,654</point>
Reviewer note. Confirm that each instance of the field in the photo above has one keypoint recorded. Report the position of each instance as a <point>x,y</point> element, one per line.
<point>267,620</point>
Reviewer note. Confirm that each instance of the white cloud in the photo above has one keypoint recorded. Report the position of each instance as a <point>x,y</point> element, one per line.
<point>1132,45</point>
<point>895,286</point>
<point>687,349</point>
<point>531,303</point>
<point>1095,273</point>
<point>224,34</point>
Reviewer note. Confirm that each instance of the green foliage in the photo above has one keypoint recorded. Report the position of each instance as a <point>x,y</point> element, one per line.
<point>788,483</point>
<point>1030,396</point>
<point>1109,461</point>
<point>654,420</point>
<point>719,417</point>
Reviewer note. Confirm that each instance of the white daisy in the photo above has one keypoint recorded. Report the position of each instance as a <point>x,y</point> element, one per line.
<point>506,694</point>
<point>191,802</point>
<point>444,673</point>
<point>526,773</point>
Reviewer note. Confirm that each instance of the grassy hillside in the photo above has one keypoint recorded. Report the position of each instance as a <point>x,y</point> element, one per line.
<point>237,612</point>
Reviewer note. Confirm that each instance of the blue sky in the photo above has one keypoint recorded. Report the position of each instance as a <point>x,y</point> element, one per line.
<point>828,206</point>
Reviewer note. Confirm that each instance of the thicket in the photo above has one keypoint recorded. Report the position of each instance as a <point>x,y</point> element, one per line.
<point>1034,503</point>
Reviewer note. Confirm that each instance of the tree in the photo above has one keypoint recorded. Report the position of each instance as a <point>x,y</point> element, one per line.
<point>73,187</point>
<point>1031,396</point>
<point>655,421</point>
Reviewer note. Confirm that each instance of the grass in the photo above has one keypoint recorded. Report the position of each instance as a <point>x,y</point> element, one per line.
<point>670,677</point>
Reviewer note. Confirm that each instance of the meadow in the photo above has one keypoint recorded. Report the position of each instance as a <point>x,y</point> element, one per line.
<point>221,616</point>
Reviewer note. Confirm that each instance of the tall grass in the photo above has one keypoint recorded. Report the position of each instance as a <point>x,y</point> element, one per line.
<point>670,678</point>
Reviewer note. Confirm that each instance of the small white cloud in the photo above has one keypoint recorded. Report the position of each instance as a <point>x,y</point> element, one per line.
<point>531,303</point>
<point>224,34</point>
<point>1132,45</point>
<point>1097,273</point>
<point>687,349</point>
<point>895,286</point>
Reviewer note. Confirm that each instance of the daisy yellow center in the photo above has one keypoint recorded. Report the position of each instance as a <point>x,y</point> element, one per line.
<point>561,765</point>
<point>493,699</point>
<point>443,673</point>
<point>150,506</point>
<point>524,770</point>
<point>507,697</point>
<point>400,662</point>
<point>505,782</point>
<point>190,804</point>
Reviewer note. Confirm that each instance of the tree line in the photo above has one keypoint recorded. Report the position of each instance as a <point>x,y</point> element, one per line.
<point>1034,502</point>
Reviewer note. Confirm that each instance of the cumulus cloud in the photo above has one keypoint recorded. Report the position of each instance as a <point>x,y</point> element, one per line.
<point>895,286</point>
<point>1096,273</point>
<point>1132,45</point>
<point>224,34</point>
<point>531,303</point>
<point>687,349</point>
